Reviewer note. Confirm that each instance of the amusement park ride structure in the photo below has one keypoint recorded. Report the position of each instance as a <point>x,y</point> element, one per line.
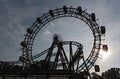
<point>57,63</point>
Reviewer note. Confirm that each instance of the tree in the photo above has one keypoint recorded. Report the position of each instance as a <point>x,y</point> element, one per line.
<point>113,73</point>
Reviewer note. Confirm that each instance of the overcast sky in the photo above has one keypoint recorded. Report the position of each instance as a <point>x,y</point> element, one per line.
<point>17,15</point>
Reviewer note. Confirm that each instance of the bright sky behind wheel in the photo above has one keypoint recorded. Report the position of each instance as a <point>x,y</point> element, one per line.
<point>17,15</point>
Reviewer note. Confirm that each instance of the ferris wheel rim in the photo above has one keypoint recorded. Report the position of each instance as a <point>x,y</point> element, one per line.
<point>59,13</point>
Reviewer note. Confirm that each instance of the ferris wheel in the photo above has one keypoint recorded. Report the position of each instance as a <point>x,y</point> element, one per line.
<point>55,40</point>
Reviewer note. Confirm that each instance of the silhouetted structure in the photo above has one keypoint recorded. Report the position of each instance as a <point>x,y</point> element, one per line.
<point>56,63</point>
<point>96,76</point>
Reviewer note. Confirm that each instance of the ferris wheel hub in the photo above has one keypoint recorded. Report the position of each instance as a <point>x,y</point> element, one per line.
<point>55,37</point>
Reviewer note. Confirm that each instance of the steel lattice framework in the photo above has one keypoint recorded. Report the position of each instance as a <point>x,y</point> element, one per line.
<point>28,60</point>
<point>59,13</point>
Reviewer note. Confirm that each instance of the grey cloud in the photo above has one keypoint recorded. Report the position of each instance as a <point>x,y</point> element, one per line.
<point>17,15</point>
